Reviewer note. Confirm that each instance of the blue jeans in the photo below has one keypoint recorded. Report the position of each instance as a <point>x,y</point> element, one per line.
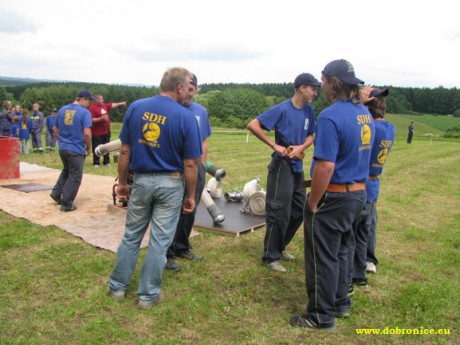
<point>155,198</point>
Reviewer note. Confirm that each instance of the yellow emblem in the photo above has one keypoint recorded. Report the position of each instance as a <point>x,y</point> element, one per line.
<point>365,134</point>
<point>69,115</point>
<point>382,156</point>
<point>151,131</point>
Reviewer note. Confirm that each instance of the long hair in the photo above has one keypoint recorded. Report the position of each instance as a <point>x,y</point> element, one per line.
<point>172,77</point>
<point>341,90</point>
<point>25,114</point>
<point>377,107</point>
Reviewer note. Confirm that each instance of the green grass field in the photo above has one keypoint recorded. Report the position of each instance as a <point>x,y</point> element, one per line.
<point>53,284</point>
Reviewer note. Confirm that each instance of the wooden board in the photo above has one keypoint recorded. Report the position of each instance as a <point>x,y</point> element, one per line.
<point>235,221</point>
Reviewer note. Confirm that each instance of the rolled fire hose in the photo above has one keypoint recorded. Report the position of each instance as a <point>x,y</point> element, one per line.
<point>215,213</point>
<point>215,188</point>
<point>254,198</point>
<point>103,149</point>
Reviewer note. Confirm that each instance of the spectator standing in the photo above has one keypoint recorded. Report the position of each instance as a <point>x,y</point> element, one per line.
<point>410,132</point>
<point>49,137</point>
<point>161,146</point>
<point>38,121</point>
<point>15,127</point>
<point>6,118</point>
<point>73,128</point>
<point>100,130</point>
<point>24,132</point>
<point>17,111</point>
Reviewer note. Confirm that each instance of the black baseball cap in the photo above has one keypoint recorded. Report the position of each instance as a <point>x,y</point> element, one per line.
<point>343,70</point>
<point>85,94</point>
<point>194,81</point>
<point>377,92</point>
<point>306,79</point>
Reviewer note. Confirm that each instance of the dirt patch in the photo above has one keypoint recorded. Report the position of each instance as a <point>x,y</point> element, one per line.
<point>96,221</point>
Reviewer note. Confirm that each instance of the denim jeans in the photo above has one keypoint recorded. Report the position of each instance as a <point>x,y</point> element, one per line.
<point>156,198</point>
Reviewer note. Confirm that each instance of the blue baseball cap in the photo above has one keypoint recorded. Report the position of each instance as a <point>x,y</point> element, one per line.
<point>306,79</point>
<point>85,94</point>
<point>377,92</point>
<point>343,70</point>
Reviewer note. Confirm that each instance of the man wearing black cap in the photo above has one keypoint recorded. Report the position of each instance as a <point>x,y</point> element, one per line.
<point>72,127</point>
<point>180,247</point>
<point>362,256</point>
<point>343,140</point>
<point>49,138</point>
<point>294,123</point>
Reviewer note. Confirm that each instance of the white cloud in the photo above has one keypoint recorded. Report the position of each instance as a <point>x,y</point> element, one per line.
<point>389,43</point>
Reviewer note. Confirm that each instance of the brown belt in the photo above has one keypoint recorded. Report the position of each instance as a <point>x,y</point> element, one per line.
<point>373,177</point>
<point>343,188</point>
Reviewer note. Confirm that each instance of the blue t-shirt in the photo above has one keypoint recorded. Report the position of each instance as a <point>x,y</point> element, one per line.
<point>71,120</point>
<point>344,136</point>
<point>161,133</point>
<point>26,128</point>
<point>292,126</point>
<point>50,120</point>
<point>201,117</point>
<point>384,137</point>
<point>14,130</point>
<point>19,116</point>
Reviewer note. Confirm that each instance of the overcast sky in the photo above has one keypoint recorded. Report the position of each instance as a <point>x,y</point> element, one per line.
<point>392,42</point>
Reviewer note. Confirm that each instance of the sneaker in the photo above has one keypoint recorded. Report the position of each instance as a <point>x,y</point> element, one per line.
<point>371,268</point>
<point>117,295</point>
<point>107,165</point>
<point>342,313</point>
<point>360,282</point>
<point>69,209</point>
<point>288,256</point>
<point>276,266</point>
<point>56,198</point>
<point>189,255</point>
<point>172,265</point>
<point>96,166</point>
<point>146,305</point>
<point>351,291</point>
<point>305,321</point>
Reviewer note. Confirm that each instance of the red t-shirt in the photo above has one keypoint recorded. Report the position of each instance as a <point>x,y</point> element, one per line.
<point>100,128</point>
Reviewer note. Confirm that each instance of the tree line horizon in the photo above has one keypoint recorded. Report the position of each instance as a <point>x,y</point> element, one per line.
<point>230,105</point>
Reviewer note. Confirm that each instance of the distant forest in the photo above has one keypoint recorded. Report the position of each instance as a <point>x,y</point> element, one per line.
<point>228,105</point>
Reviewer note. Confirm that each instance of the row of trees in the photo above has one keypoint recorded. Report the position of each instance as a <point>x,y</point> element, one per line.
<point>228,105</point>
